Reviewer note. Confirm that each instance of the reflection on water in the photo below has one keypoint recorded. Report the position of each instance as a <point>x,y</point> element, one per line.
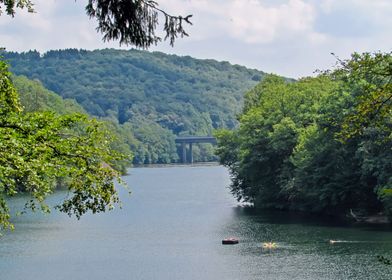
<point>171,227</point>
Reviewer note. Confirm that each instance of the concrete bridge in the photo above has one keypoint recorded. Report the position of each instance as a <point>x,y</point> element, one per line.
<point>190,140</point>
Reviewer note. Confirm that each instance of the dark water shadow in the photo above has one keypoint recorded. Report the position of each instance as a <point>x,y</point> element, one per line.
<point>281,217</point>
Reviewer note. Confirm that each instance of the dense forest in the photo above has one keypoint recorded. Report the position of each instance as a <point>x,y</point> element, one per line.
<point>321,144</point>
<point>148,98</point>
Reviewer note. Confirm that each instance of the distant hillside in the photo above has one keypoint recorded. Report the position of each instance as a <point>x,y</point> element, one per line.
<point>152,95</point>
<point>35,97</point>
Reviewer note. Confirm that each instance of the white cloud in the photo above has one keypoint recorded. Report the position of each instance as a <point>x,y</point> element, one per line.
<point>25,20</point>
<point>288,37</point>
<point>255,23</point>
<point>248,20</point>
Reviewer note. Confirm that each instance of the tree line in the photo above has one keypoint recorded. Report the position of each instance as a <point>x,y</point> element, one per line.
<point>149,98</point>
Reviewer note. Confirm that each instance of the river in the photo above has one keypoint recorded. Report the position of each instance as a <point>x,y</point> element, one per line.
<point>171,227</point>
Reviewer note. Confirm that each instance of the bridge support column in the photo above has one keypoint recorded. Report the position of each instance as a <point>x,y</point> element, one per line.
<point>183,145</point>
<point>190,153</point>
<point>185,140</point>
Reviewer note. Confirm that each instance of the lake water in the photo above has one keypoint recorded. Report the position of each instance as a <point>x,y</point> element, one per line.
<point>171,227</point>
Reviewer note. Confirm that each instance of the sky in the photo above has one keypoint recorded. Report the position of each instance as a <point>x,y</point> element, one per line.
<point>292,38</point>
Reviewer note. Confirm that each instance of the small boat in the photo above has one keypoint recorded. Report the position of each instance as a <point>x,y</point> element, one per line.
<point>269,245</point>
<point>331,241</point>
<point>230,241</point>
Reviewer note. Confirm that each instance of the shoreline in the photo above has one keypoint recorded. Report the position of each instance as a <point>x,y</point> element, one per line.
<point>160,165</point>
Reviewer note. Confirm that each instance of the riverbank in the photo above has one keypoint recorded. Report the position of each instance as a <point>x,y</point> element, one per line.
<point>344,219</point>
<point>373,219</point>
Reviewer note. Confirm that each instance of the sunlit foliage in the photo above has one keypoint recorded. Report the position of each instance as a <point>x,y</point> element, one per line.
<point>320,144</point>
<point>40,149</point>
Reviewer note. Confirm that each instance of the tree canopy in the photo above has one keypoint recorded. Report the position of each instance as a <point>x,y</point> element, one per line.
<point>38,150</point>
<point>370,77</point>
<point>320,144</point>
<point>128,21</point>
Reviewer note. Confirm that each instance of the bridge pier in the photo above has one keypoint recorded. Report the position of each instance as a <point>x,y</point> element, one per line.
<point>190,140</point>
<point>183,145</point>
<point>190,153</point>
<point>184,153</point>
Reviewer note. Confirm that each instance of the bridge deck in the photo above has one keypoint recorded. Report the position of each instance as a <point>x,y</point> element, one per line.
<point>196,139</point>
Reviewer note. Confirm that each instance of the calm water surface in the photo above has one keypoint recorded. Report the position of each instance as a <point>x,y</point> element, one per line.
<point>171,227</point>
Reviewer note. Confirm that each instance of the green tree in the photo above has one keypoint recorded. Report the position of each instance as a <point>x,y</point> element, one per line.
<point>128,21</point>
<point>37,149</point>
<point>319,144</point>
<point>368,76</point>
<point>275,114</point>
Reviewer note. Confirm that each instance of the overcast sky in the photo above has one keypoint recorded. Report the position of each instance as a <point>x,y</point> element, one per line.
<point>288,37</point>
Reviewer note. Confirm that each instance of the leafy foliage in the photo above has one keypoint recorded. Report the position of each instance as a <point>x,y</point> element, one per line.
<point>128,21</point>
<point>149,97</point>
<point>134,22</point>
<point>369,77</point>
<point>34,97</point>
<point>10,6</point>
<point>39,149</point>
<point>288,151</point>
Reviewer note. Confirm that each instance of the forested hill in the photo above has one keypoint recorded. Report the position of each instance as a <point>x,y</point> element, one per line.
<point>150,96</point>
